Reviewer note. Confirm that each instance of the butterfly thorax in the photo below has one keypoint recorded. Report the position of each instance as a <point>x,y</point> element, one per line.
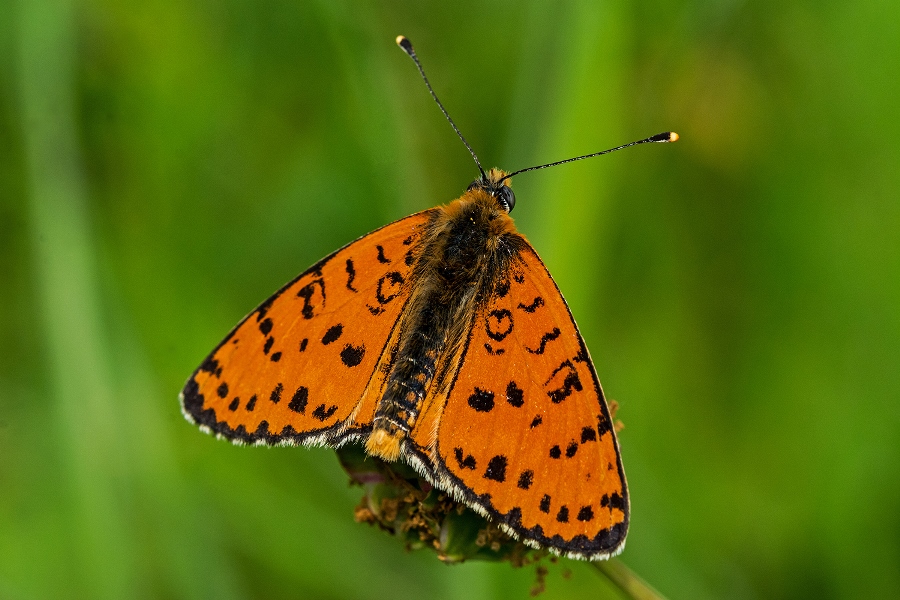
<point>466,249</point>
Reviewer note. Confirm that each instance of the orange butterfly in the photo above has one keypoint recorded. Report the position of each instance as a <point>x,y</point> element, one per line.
<point>442,340</point>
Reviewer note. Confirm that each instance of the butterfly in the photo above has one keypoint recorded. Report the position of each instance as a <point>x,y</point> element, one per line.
<point>441,340</point>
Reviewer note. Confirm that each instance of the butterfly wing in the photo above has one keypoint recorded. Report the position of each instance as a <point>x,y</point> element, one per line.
<point>525,434</point>
<point>306,365</point>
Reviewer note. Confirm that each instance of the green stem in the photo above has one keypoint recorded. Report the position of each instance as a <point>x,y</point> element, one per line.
<point>626,580</point>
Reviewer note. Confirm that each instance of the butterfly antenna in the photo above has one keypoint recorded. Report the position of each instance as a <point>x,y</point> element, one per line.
<point>408,48</point>
<point>666,136</point>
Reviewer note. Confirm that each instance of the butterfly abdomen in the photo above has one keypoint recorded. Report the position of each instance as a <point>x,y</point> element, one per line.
<point>466,250</point>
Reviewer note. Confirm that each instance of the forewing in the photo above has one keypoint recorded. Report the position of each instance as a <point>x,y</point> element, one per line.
<point>525,434</point>
<point>296,368</point>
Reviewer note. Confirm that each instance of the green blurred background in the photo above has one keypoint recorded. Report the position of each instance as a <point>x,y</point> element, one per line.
<point>167,164</point>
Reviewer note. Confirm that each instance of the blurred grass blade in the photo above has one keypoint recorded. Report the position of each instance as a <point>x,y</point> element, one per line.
<point>76,368</point>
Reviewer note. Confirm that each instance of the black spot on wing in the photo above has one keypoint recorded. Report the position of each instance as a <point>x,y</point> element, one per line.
<point>616,501</point>
<point>303,343</point>
<point>299,400</point>
<point>467,462</point>
<point>307,292</point>
<point>275,396</point>
<point>498,324</point>
<point>496,469</point>
<point>351,356</point>
<point>321,413</point>
<point>251,403</point>
<point>555,452</point>
<point>334,332</point>
<point>387,289</point>
<point>481,400</point>
<point>234,404</point>
<point>588,434</point>
<point>570,382</point>
<point>536,421</point>
<point>381,258</point>
<point>351,275</point>
<point>585,514</point>
<point>276,357</point>
<point>530,308</point>
<point>266,326</point>
<point>545,339</point>
<point>222,391</point>
<point>571,449</point>
<point>514,395</point>
<point>268,345</point>
<point>563,515</point>
<point>545,504</point>
<point>526,479</point>
<point>210,365</point>
<point>604,427</point>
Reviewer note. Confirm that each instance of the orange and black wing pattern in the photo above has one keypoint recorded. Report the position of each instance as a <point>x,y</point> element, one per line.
<point>306,366</point>
<point>525,434</point>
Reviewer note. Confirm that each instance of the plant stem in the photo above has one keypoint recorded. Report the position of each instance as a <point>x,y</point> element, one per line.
<point>626,580</point>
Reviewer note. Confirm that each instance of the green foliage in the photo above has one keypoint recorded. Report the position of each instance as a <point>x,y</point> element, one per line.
<point>166,165</point>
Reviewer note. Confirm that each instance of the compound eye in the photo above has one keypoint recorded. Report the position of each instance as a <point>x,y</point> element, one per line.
<point>507,198</point>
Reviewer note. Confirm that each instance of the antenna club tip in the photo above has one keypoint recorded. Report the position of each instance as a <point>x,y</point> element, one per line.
<point>404,43</point>
<point>666,136</point>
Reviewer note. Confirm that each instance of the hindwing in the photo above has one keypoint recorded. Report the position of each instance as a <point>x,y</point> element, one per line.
<point>525,434</point>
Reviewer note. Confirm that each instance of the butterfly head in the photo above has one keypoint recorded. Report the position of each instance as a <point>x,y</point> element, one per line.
<point>497,185</point>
